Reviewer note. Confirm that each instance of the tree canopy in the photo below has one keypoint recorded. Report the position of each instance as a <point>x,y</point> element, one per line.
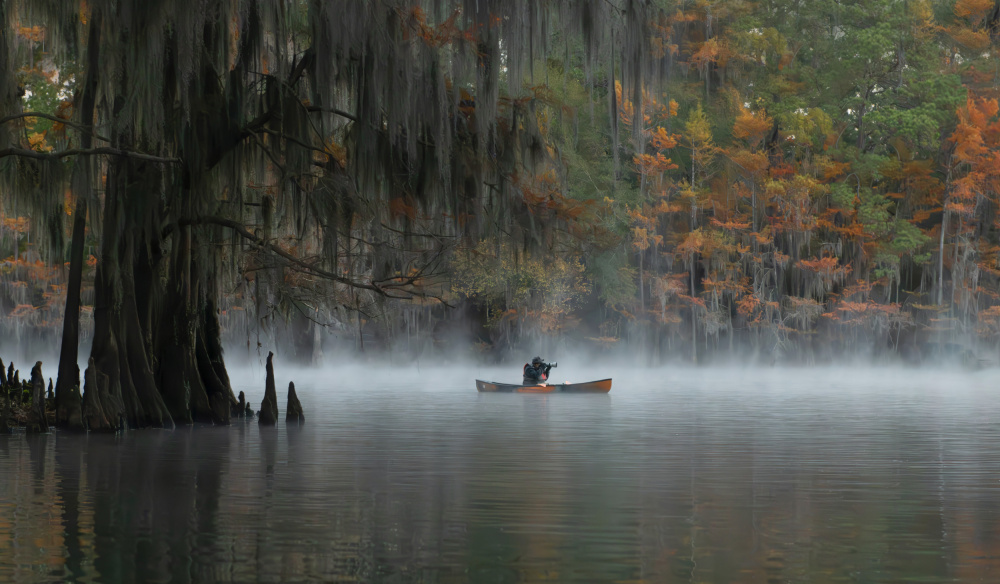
<point>697,178</point>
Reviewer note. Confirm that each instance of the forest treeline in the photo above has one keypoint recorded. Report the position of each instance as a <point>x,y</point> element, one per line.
<point>791,181</point>
<point>778,180</point>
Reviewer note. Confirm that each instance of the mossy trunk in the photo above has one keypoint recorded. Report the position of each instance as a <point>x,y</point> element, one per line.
<point>119,354</point>
<point>95,417</point>
<point>211,364</point>
<point>192,377</point>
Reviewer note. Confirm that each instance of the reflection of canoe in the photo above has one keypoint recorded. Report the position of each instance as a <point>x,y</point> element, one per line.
<point>599,386</point>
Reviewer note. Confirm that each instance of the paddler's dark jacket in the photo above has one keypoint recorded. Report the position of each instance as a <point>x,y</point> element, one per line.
<point>535,374</point>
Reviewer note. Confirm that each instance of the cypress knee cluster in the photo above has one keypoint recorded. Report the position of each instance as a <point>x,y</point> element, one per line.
<point>269,407</point>
<point>22,403</point>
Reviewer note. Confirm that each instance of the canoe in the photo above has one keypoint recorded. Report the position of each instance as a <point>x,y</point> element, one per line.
<point>599,386</point>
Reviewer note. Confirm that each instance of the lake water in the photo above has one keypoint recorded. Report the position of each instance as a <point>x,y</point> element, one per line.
<point>830,475</point>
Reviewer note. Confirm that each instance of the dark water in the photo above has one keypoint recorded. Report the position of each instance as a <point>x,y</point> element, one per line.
<point>677,476</point>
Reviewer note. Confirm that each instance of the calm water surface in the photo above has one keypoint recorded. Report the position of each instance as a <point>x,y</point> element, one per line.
<point>676,476</point>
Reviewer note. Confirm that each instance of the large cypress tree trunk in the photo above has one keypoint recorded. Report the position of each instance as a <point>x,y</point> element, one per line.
<point>180,384</point>
<point>211,365</point>
<point>119,353</point>
<point>192,370</point>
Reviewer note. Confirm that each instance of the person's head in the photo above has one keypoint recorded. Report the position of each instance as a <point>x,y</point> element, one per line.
<point>536,361</point>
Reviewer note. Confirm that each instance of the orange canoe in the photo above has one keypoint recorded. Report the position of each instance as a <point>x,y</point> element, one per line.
<point>599,386</point>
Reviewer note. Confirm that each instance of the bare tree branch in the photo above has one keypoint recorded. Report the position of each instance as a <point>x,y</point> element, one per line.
<point>25,153</point>
<point>81,127</point>
<point>412,234</point>
<point>295,140</point>
<point>384,289</point>
<point>341,113</point>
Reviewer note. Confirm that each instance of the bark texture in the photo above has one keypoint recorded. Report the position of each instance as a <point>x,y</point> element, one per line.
<point>96,402</point>
<point>123,376</point>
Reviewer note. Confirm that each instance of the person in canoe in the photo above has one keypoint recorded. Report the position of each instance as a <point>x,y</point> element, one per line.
<point>537,372</point>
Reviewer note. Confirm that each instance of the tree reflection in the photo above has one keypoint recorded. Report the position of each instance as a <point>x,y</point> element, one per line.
<point>513,490</point>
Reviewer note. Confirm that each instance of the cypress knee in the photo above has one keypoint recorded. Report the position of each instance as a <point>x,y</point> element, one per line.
<point>36,415</point>
<point>269,407</point>
<point>293,413</point>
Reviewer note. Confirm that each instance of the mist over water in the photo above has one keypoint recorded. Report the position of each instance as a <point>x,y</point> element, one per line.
<point>406,475</point>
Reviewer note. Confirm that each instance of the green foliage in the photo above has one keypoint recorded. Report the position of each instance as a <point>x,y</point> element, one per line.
<point>41,95</point>
<point>908,239</point>
<point>874,215</point>
<point>885,265</point>
<point>923,108</point>
<point>614,279</point>
<point>868,166</point>
<point>843,195</point>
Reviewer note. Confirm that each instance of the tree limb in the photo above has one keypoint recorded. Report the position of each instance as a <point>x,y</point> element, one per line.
<point>341,113</point>
<point>295,140</point>
<point>383,290</point>
<point>81,127</point>
<point>25,153</point>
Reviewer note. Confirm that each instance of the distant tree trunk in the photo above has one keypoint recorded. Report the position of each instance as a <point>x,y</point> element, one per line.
<point>642,285</point>
<point>68,398</point>
<point>694,318</point>
<point>317,342</point>
<point>955,273</point>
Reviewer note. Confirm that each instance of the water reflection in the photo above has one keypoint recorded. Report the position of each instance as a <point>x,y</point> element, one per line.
<point>694,478</point>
